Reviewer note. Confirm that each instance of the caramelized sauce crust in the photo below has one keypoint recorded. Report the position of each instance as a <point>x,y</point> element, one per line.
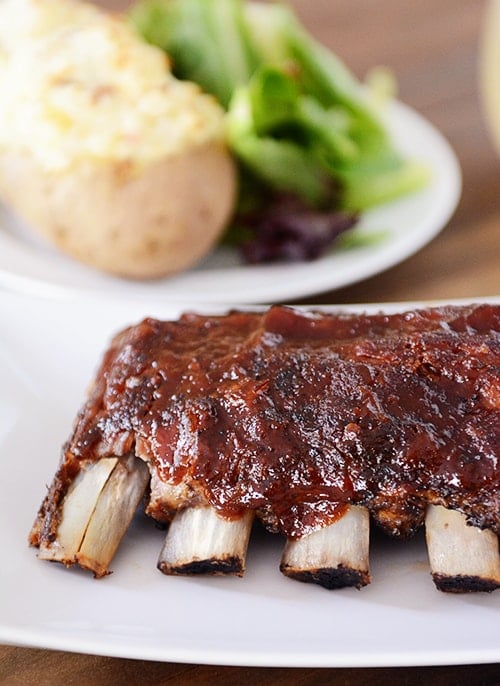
<point>297,414</point>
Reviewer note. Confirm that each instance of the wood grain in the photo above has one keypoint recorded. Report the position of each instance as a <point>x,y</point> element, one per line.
<point>29,667</point>
<point>433,50</point>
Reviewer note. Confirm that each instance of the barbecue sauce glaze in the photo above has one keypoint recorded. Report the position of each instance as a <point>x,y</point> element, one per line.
<point>297,414</point>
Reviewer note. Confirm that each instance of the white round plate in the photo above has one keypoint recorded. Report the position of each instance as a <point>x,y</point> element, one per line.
<point>28,265</point>
<point>262,619</point>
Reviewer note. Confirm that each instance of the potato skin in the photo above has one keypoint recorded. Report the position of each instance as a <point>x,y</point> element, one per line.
<point>134,222</point>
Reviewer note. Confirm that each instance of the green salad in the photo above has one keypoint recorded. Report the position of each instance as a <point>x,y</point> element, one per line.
<point>312,149</point>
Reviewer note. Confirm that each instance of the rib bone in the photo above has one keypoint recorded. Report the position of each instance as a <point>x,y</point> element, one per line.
<point>199,541</point>
<point>463,558</point>
<point>77,508</point>
<point>113,513</point>
<point>334,556</point>
<point>96,513</point>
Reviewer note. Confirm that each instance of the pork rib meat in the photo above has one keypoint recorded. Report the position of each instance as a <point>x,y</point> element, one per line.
<point>297,416</point>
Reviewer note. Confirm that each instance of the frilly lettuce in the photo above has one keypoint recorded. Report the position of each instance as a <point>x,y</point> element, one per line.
<point>298,121</point>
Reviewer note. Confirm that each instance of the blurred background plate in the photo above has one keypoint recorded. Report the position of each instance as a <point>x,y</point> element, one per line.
<point>30,266</point>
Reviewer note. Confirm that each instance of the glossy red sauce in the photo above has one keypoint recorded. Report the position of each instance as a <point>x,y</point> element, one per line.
<point>297,414</point>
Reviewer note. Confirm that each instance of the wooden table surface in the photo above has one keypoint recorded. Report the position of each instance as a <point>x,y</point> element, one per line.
<point>432,47</point>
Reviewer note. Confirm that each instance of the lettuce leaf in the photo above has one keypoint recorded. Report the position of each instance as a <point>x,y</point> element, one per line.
<point>298,122</point>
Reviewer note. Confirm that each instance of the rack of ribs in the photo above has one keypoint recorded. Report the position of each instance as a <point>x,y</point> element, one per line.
<point>316,423</point>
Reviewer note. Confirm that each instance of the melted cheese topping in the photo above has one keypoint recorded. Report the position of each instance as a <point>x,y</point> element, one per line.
<point>77,84</point>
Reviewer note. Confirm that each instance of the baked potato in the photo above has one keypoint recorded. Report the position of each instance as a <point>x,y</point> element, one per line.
<point>102,150</point>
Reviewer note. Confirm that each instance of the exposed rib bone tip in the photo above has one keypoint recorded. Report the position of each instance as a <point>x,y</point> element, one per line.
<point>334,556</point>
<point>113,513</point>
<point>199,541</point>
<point>76,511</point>
<point>96,513</point>
<point>462,558</point>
